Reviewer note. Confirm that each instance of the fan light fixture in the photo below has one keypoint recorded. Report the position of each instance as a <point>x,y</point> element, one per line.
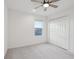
<point>46,5</point>
<point>34,10</point>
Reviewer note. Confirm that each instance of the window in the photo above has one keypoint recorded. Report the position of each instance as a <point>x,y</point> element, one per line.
<point>38,26</point>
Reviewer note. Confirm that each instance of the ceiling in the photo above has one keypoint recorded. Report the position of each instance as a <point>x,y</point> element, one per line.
<point>28,6</point>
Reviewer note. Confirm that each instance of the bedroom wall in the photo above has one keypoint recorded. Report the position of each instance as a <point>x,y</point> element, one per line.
<point>71,47</point>
<point>21,29</point>
<point>5,27</point>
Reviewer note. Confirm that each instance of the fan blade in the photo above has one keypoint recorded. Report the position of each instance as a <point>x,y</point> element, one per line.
<point>53,1</point>
<point>38,6</point>
<point>45,9</point>
<point>39,1</point>
<point>43,1</point>
<point>46,0</point>
<point>55,6</point>
<point>49,1</point>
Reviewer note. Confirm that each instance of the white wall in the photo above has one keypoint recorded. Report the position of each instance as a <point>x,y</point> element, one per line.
<point>5,27</point>
<point>61,32</point>
<point>71,47</point>
<point>21,29</point>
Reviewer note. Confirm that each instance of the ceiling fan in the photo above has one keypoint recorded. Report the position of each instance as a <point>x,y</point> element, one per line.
<point>46,3</point>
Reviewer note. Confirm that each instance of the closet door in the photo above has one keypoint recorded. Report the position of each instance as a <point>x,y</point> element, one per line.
<point>59,32</point>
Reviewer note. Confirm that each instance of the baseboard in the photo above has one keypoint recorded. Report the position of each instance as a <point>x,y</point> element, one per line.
<point>5,53</point>
<point>28,45</point>
<point>66,51</point>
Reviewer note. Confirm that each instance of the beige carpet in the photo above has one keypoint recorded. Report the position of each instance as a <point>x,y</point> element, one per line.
<point>42,51</point>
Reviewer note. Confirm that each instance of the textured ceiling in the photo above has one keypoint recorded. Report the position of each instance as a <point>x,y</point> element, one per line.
<point>28,6</point>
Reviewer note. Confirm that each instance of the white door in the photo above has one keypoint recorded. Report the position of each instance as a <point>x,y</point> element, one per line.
<point>58,32</point>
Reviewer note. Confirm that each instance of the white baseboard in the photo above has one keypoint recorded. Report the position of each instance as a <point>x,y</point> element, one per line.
<point>27,45</point>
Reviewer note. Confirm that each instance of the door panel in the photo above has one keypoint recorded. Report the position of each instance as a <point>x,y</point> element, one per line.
<point>59,32</point>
